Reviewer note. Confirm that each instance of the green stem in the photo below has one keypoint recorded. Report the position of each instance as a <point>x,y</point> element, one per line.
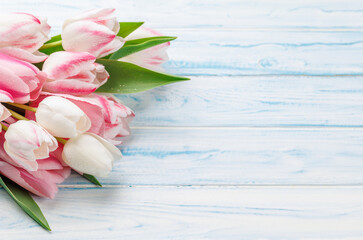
<point>21,117</point>
<point>50,45</point>
<point>61,140</point>
<point>26,107</point>
<point>17,115</point>
<point>4,127</point>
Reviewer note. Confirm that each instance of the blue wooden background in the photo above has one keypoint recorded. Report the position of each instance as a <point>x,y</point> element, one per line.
<point>264,142</point>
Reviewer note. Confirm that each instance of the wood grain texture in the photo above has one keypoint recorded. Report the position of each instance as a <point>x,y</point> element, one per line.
<point>210,13</point>
<point>252,101</point>
<point>213,49</point>
<point>194,213</point>
<point>268,52</point>
<point>264,142</point>
<point>233,156</point>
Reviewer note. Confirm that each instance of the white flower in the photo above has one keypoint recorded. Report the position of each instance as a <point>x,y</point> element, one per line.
<point>91,154</point>
<point>61,118</point>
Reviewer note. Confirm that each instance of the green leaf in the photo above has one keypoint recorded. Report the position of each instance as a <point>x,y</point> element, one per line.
<point>140,44</point>
<point>56,48</point>
<point>54,39</point>
<point>25,201</point>
<point>128,27</point>
<point>129,78</point>
<point>92,179</point>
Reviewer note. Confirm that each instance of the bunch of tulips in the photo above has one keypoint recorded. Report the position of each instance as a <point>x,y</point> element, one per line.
<point>52,119</point>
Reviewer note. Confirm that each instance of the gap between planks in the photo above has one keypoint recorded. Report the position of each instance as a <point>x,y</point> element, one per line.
<point>262,29</point>
<point>318,127</point>
<point>198,75</point>
<point>214,186</point>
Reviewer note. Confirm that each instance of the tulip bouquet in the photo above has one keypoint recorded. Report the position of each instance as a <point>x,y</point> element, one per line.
<point>56,108</point>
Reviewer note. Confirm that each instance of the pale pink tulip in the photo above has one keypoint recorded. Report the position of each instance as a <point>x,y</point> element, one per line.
<point>19,79</point>
<point>26,141</point>
<point>94,31</point>
<point>151,58</point>
<point>115,115</point>
<point>73,73</point>
<point>41,182</point>
<point>22,34</point>
<point>4,112</point>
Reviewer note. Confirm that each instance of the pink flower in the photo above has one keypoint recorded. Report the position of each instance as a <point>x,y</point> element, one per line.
<point>94,31</point>
<point>22,34</point>
<point>115,115</point>
<point>4,112</point>
<point>42,182</point>
<point>151,58</point>
<point>74,73</point>
<point>21,80</point>
<point>109,117</point>
<point>26,142</point>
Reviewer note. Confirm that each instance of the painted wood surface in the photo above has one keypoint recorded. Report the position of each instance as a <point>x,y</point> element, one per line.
<point>267,52</point>
<point>264,142</point>
<point>203,14</point>
<point>252,101</point>
<point>235,156</point>
<point>196,213</point>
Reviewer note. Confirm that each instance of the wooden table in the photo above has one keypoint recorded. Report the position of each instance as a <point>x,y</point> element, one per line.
<point>265,141</point>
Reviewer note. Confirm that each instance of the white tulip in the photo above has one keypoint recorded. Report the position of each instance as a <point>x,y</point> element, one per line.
<point>62,118</point>
<point>91,154</point>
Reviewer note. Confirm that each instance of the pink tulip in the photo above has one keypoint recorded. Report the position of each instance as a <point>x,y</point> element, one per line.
<point>74,73</point>
<point>109,118</point>
<point>151,58</point>
<point>4,112</point>
<point>41,182</point>
<point>26,142</point>
<point>94,31</point>
<point>20,80</point>
<point>22,34</point>
<point>115,115</point>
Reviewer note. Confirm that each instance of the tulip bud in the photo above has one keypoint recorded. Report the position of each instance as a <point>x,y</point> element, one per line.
<point>4,112</point>
<point>21,80</point>
<point>73,73</point>
<point>22,34</point>
<point>91,154</point>
<point>61,118</point>
<point>26,141</point>
<point>151,58</point>
<point>94,31</point>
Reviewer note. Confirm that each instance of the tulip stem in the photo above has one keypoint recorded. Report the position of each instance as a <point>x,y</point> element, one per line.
<point>4,127</point>
<point>61,140</point>
<point>26,107</point>
<point>52,44</point>
<point>17,115</point>
<point>21,117</point>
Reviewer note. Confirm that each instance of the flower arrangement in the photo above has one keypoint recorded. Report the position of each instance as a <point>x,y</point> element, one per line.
<point>57,110</point>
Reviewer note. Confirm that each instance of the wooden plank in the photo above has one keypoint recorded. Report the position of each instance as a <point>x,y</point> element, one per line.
<point>210,13</point>
<point>278,52</point>
<point>240,156</point>
<point>252,101</point>
<point>193,213</point>
<point>223,51</point>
